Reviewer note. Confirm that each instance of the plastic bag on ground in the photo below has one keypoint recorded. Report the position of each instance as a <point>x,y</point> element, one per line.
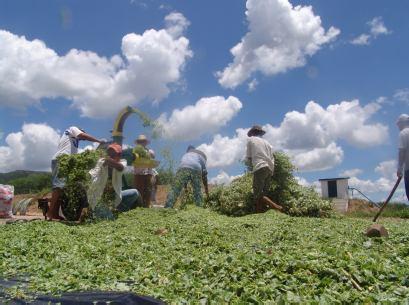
<point>6,201</point>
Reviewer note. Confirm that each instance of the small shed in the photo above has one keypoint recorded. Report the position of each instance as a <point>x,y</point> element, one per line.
<point>337,190</point>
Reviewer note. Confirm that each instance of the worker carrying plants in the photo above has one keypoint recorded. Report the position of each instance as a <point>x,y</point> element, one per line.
<point>105,193</point>
<point>260,160</point>
<point>68,144</point>
<point>403,154</point>
<point>144,175</point>
<point>192,169</point>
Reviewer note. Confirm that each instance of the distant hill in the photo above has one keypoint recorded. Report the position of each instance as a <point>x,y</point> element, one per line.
<point>25,182</point>
<point>6,177</point>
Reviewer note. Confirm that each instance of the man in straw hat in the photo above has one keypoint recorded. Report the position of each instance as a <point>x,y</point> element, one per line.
<point>261,160</point>
<point>144,176</point>
<point>403,155</point>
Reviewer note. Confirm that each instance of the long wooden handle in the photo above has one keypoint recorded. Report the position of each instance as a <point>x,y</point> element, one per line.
<point>387,200</point>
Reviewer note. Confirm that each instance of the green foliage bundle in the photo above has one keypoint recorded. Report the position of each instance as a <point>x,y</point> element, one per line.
<point>237,198</point>
<point>142,152</point>
<point>75,170</point>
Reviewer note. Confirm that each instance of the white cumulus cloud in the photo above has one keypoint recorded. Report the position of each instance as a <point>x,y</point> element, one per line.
<point>351,172</point>
<point>380,187</point>
<point>225,151</point>
<point>309,137</point>
<point>316,185</point>
<point>253,85</point>
<point>207,116</point>
<point>376,28</point>
<point>32,148</point>
<point>387,169</point>
<point>176,24</point>
<point>361,40</point>
<point>371,186</point>
<point>402,95</point>
<point>223,178</point>
<point>280,37</point>
<point>377,188</point>
<point>98,86</point>
<point>317,127</point>
<point>318,158</point>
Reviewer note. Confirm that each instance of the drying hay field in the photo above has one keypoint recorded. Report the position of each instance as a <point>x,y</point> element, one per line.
<point>199,256</point>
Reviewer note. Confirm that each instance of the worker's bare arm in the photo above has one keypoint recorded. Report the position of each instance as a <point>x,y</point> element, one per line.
<point>87,137</point>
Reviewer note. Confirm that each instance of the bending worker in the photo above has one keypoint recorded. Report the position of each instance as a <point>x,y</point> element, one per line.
<point>68,144</point>
<point>403,158</point>
<point>260,159</point>
<point>192,169</point>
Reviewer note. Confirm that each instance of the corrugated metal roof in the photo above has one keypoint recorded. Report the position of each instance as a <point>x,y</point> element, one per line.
<point>331,179</point>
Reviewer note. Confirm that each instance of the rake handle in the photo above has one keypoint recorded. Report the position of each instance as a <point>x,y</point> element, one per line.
<point>387,200</point>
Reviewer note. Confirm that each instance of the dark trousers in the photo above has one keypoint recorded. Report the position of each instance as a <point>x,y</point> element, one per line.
<point>183,177</point>
<point>407,183</point>
<point>143,183</point>
<point>261,182</point>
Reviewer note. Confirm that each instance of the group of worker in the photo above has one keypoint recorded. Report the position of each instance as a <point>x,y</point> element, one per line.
<point>192,169</point>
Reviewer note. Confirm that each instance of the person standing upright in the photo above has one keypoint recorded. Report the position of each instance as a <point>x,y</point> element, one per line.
<point>260,159</point>
<point>403,153</point>
<point>68,145</point>
<point>144,175</point>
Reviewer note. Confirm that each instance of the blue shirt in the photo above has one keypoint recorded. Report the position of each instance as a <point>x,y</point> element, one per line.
<point>193,160</point>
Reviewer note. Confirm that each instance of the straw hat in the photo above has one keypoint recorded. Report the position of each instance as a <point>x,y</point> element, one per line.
<point>142,138</point>
<point>256,129</point>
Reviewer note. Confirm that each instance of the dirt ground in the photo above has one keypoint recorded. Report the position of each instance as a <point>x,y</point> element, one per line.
<point>354,204</point>
<point>33,209</point>
<point>161,194</point>
<point>361,205</point>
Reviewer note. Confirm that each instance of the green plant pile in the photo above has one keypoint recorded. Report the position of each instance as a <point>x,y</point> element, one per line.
<point>142,152</point>
<point>197,256</point>
<point>237,198</point>
<point>75,170</point>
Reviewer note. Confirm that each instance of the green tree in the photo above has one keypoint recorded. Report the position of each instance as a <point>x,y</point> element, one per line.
<point>166,171</point>
<point>31,184</point>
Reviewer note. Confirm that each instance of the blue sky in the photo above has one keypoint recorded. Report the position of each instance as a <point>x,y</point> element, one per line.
<point>45,90</point>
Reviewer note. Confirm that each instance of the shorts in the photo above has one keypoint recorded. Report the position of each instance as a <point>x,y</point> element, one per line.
<point>57,183</point>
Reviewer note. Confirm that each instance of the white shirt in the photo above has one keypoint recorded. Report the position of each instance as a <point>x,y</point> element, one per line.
<point>261,153</point>
<point>68,144</point>
<point>404,145</point>
<point>99,179</point>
